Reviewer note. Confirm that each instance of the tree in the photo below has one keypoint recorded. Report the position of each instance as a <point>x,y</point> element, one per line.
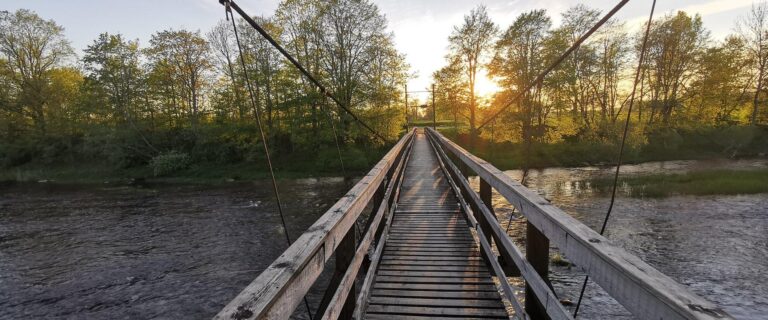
<point>32,47</point>
<point>753,29</point>
<point>674,47</point>
<point>181,59</point>
<point>519,57</point>
<point>350,34</point>
<point>471,42</point>
<point>452,91</point>
<point>114,73</point>
<point>220,38</point>
<point>721,84</point>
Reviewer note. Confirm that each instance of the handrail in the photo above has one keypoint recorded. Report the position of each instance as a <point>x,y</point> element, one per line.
<point>343,291</point>
<point>506,247</point>
<point>641,289</point>
<point>278,290</point>
<point>393,196</point>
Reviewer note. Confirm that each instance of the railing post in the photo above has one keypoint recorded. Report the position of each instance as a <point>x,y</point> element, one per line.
<point>486,193</point>
<point>344,254</point>
<point>537,253</point>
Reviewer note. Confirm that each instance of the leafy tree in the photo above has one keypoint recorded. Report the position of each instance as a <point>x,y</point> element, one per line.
<point>31,47</point>
<point>674,47</point>
<point>180,59</point>
<point>471,42</point>
<point>753,29</point>
<point>114,75</point>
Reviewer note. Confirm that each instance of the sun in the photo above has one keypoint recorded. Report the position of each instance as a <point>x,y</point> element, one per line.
<point>485,87</point>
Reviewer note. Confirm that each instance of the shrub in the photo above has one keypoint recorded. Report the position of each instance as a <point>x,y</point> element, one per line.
<point>169,162</point>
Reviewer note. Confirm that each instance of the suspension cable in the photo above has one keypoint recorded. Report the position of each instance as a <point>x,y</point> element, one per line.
<point>638,78</point>
<point>320,86</point>
<point>264,143</point>
<point>557,62</point>
<point>335,137</point>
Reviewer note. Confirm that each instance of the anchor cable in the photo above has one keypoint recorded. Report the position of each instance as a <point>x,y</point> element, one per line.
<point>320,86</point>
<point>251,95</point>
<point>638,78</point>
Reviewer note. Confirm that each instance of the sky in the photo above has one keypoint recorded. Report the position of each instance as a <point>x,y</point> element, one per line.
<point>420,28</point>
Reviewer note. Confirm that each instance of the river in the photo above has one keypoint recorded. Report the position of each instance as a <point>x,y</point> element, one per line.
<point>183,251</point>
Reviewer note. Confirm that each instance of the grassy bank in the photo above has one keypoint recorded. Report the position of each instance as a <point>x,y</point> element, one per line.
<point>710,182</point>
<point>320,164</point>
<point>659,145</point>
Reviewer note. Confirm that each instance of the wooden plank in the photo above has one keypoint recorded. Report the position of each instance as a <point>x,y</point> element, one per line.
<point>433,280</point>
<point>429,251</point>
<point>342,306</point>
<point>441,287</point>
<point>643,290</point>
<point>469,295</point>
<point>454,274</point>
<point>494,313</point>
<point>456,303</point>
<point>277,291</point>
<point>382,316</point>
<point>367,285</point>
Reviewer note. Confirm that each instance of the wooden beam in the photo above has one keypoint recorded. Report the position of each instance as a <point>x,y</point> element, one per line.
<point>643,290</point>
<point>276,292</point>
<point>537,253</point>
<point>338,308</point>
<point>552,307</point>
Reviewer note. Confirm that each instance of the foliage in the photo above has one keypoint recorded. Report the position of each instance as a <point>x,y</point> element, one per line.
<point>169,162</point>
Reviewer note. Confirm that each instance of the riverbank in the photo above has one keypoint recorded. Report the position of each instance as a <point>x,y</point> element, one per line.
<point>660,145</point>
<point>699,183</point>
<point>196,173</point>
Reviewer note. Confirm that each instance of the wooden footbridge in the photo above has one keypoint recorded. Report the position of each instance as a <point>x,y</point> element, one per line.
<point>433,248</point>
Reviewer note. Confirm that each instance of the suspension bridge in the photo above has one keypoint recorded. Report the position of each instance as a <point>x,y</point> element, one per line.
<point>432,247</point>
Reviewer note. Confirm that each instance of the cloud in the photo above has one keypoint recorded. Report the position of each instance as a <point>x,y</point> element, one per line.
<point>717,6</point>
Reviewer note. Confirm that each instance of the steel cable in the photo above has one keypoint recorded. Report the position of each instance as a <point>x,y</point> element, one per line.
<point>251,95</point>
<point>638,78</point>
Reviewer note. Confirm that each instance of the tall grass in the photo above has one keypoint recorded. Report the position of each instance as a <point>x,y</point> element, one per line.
<point>709,182</point>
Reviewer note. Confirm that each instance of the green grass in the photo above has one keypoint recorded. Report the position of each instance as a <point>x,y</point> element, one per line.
<point>708,182</point>
<point>203,173</point>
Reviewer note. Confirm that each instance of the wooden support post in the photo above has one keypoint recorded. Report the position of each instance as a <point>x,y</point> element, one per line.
<point>485,195</point>
<point>537,253</point>
<point>344,254</point>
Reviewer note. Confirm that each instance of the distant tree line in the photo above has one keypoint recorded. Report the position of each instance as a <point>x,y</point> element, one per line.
<point>184,91</point>
<point>689,80</point>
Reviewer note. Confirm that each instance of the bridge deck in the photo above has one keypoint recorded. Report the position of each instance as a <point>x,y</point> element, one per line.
<point>431,265</point>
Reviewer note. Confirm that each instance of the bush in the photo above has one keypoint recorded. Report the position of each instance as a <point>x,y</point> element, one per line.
<point>169,162</point>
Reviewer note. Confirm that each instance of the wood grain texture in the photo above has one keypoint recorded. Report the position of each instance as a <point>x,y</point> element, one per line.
<point>643,290</point>
<point>430,266</point>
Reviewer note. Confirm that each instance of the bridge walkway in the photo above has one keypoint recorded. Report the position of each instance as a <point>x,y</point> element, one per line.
<point>431,266</point>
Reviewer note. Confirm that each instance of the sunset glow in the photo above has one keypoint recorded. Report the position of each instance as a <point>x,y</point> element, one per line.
<point>485,87</point>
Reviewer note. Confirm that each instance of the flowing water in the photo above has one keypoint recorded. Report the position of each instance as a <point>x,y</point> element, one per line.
<point>182,252</point>
<point>715,245</point>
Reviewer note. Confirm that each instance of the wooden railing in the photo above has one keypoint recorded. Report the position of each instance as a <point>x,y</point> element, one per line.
<point>279,289</point>
<point>641,289</point>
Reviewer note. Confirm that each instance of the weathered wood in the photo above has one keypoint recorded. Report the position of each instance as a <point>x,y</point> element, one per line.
<point>433,311</point>
<point>537,254</point>
<point>365,289</point>
<point>468,295</point>
<point>429,249</point>
<point>508,250</point>
<point>643,290</point>
<point>342,305</point>
<point>277,291</point>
